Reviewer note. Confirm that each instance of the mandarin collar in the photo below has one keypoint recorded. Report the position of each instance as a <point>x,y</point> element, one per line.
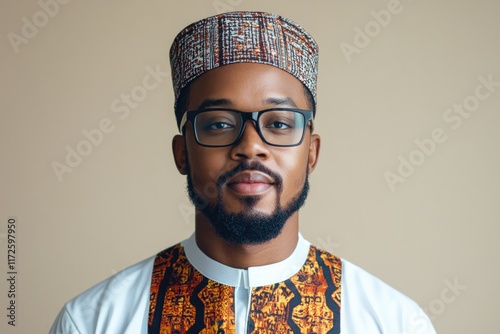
<point>251,277</point>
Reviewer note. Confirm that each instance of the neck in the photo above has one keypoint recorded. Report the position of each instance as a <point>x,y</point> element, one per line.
<point>244,256</point>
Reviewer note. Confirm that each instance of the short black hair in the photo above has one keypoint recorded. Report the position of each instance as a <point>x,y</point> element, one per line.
<point>181,104</point>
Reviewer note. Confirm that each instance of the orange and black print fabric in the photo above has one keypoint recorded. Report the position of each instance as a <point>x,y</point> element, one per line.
<point>182,300</point>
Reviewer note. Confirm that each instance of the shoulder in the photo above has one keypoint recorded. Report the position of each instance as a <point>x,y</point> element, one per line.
<point>118,304</point>
<point>371,306</point>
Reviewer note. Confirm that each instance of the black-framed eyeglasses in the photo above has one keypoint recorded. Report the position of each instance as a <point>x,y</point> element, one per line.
<point>218,127</point>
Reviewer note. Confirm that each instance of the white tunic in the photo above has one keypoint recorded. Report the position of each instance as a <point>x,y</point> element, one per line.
<point>120,304</point>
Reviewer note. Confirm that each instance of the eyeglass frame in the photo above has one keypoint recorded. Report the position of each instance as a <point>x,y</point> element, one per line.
<point>190,115</point>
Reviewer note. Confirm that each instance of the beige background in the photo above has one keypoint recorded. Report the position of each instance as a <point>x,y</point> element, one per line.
<point>125,201</point>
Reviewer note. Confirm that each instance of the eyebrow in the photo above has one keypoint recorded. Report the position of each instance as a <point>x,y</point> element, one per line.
<point>281,101</point>
<point>207,103</point>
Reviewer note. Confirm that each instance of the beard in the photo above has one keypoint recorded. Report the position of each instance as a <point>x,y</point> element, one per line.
<point>248,227</point>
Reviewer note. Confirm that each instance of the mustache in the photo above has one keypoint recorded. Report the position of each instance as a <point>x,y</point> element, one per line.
<point>249,166</point>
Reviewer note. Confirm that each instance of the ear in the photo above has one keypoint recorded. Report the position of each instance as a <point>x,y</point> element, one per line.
<point>179,151</point>
<point>314,151</point>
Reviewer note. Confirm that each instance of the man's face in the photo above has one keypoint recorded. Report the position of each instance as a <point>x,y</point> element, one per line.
<point>248,190</point>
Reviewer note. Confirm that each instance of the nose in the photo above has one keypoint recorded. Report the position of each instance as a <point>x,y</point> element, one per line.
<point>250,145</point>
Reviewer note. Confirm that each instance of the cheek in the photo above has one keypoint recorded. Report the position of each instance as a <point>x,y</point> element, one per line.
<point>206,165</point>
<point>294,171</point>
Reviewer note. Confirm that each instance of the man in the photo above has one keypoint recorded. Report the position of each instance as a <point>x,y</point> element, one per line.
<point>245,89</point>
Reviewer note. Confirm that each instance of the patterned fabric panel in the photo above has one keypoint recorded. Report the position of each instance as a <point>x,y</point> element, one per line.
<point>184,301</point>
<point>309,302</point>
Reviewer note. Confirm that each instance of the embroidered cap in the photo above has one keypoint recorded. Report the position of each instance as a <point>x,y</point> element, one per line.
<point>236,37</point>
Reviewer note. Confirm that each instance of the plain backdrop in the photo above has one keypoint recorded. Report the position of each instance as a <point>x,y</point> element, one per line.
<point>418,211</point>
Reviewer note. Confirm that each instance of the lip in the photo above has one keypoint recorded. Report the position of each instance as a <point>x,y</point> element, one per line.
<point>249,183</point>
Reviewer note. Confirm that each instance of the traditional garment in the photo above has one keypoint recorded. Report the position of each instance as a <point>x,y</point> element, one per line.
<point>122,304</point>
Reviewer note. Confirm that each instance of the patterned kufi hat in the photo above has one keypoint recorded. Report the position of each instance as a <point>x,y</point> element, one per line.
<point>236,37</point>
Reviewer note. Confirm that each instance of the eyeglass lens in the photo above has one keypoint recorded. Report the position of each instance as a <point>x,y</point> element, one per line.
<point>223,127</point>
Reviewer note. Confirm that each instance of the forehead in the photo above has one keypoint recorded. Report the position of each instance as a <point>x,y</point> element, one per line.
<point>247,86</point>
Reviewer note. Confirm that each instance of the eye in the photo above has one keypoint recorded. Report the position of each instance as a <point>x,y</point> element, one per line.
<point>278,125</point>
<point>279,121</point>
<point>218,126</point>
<point>216,122</point>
